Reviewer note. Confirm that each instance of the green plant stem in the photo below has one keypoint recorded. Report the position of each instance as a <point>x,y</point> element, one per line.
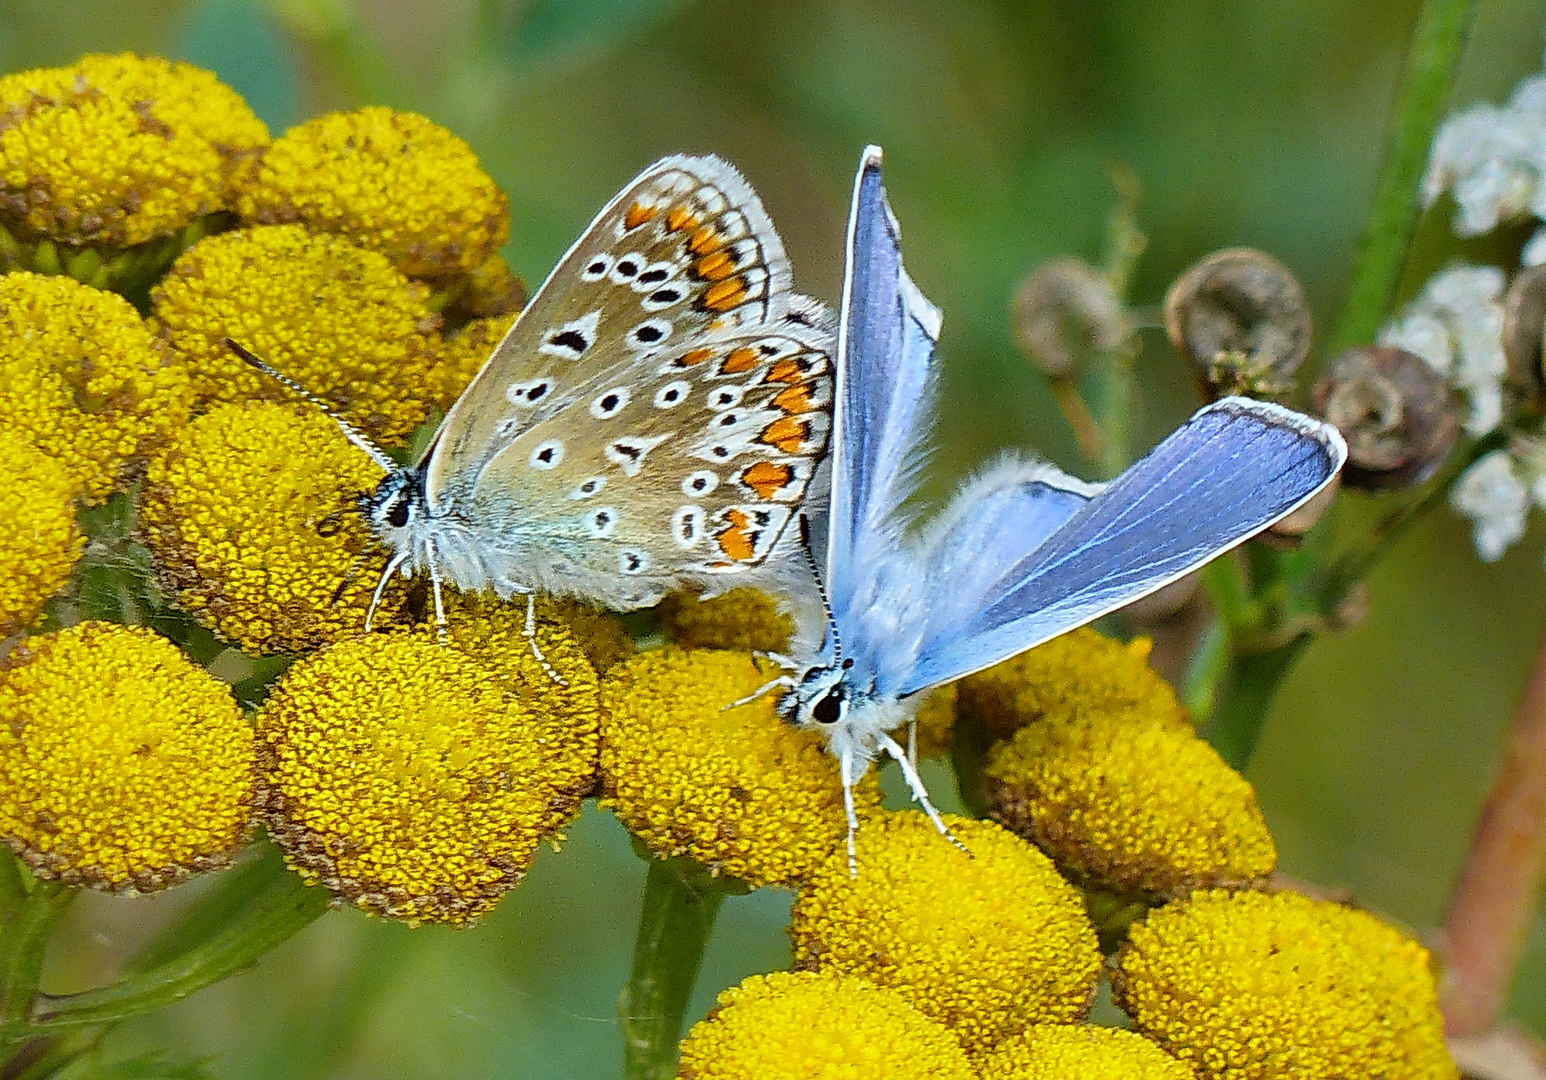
<point>197,952</point>
<point>23,945</point>
<point>13,887</point>
<point>1206,671</point>
<point>45,1057</point>
<point>1242,708</point>
<point>1431,62</point>
<point>677,910</point>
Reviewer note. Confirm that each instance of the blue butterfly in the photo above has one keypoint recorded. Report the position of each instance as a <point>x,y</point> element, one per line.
<point>1021,554</point>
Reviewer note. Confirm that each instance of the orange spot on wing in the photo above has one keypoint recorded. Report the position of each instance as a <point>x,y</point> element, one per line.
<point>786,433</point>
<point>767,478</point>
<point>739,360</point>
<point>637,215</point>
<point>680,218</point>
<point>796,399</point>
<point>724,295</point>
<point>705,241</point>
<point>715,266</point>
<point>694,356</point>
<point>736,540</point>
<point>787,370</point>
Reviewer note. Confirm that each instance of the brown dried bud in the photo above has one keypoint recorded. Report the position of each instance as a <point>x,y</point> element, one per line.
<point>1396,413</point>
<point>1064,310</point>
<point>1293,527</point>
<point>1524,317</point>
<point>1242,318</point>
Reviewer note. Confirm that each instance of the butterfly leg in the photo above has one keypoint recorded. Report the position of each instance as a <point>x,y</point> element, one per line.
<point>531,639</point>
<point>920,793</point>
<point>912,745</point>
<point>845,768</point>
<point>386,576</point>
<point>434,581</point>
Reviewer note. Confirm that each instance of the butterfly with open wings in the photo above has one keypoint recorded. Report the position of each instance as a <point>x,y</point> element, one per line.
<point>1021,554</point>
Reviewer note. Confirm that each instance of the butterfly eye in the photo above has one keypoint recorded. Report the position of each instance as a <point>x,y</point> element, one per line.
<point>397,514</point>
<point>829,708</point>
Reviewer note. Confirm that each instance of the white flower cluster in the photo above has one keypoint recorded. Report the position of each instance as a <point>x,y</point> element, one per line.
<point>1456,324</point>
<point>1492,161</point>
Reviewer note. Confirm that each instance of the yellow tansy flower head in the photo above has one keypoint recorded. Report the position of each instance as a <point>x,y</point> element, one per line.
<point>405,776</point>
<point>340,320</point>
<point>82,378</point>
<point>463,354</point>
<point>39,540</point>
<point>249,514</point>
<point>736,789</point>
<point>393,182</point>
<point>491,289</point>
<point>1079,670</point>
<point>113,151</point>
<point>818,1026</point>
<point>1079,1052</point>
<point>1252,986</point>
<point>602,636</point>
<point>1131,801</point>
<point>563,714</point>
<point>743,618</point>
<point>122,765</point>
<point>985,944</point>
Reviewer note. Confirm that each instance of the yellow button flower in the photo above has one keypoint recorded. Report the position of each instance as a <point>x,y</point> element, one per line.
<point>743,618</point>
<point>393,182</point>
<point>122,765</point>
<point>249,514</point>
<point>736,789</point>
<point>564,715</point>
<point>1252,986</point>
<point>1131,800</point>
<point>810,1026</point>
<point>83,380</point>
<point>985,944</point>
<point>343,322</point>
<point>463,355</point>
<point>1079,1052</point>
<point>113,151</point>
<point>602,636</point>
<point>1079,670</point>
<point>405,776</point>
<point>491,289</point>
<point>39,540</point>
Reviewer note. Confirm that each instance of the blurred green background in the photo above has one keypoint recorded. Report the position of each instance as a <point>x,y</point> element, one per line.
<point>1253,122</point>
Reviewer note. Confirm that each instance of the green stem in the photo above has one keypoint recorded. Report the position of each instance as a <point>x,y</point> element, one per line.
<point>13,887</point>
<point>1206,671</point>
<point>22,947</point>
<point>45,1057</point>
<point>1242,710</point>
<point>676,913</point>
<point>214,940</point>
<point>1431,62</point>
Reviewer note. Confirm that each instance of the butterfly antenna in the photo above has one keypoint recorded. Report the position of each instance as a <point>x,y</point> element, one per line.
<point>821,589</point>
<point>378,455</point>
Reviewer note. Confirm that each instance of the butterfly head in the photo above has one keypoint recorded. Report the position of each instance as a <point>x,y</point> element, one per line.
<point>820,698</point>
<point>396,509</point>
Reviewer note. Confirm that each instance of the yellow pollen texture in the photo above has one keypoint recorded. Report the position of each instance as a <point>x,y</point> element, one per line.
<point>393,182</point>
<point>83,380</point>
<point>742,618</point>
<point>122,765</point>
<point>341,321</point>
<point>1079,1052</point>
<point>1252,986</point>
<point>809,1026</point>
<point>39,540</point>
<point>737,789</point>
<point>1079,670</point>
<point>248,513</point>
<point>1132,801</point>
<point>404,776</point>
<point>985,944</point>
<point>115,150</point>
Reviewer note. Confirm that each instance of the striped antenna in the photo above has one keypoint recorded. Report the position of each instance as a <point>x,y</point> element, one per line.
<point>378,455</point>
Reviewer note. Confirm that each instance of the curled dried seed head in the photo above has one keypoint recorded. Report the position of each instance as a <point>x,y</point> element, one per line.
<point>1397,414</point>
<point>1064,310</point>
<point>1242,318</point>
<point>1302,520</point>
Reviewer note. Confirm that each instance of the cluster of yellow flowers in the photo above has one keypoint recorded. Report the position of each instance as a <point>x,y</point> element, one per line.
<point>145,217</point>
